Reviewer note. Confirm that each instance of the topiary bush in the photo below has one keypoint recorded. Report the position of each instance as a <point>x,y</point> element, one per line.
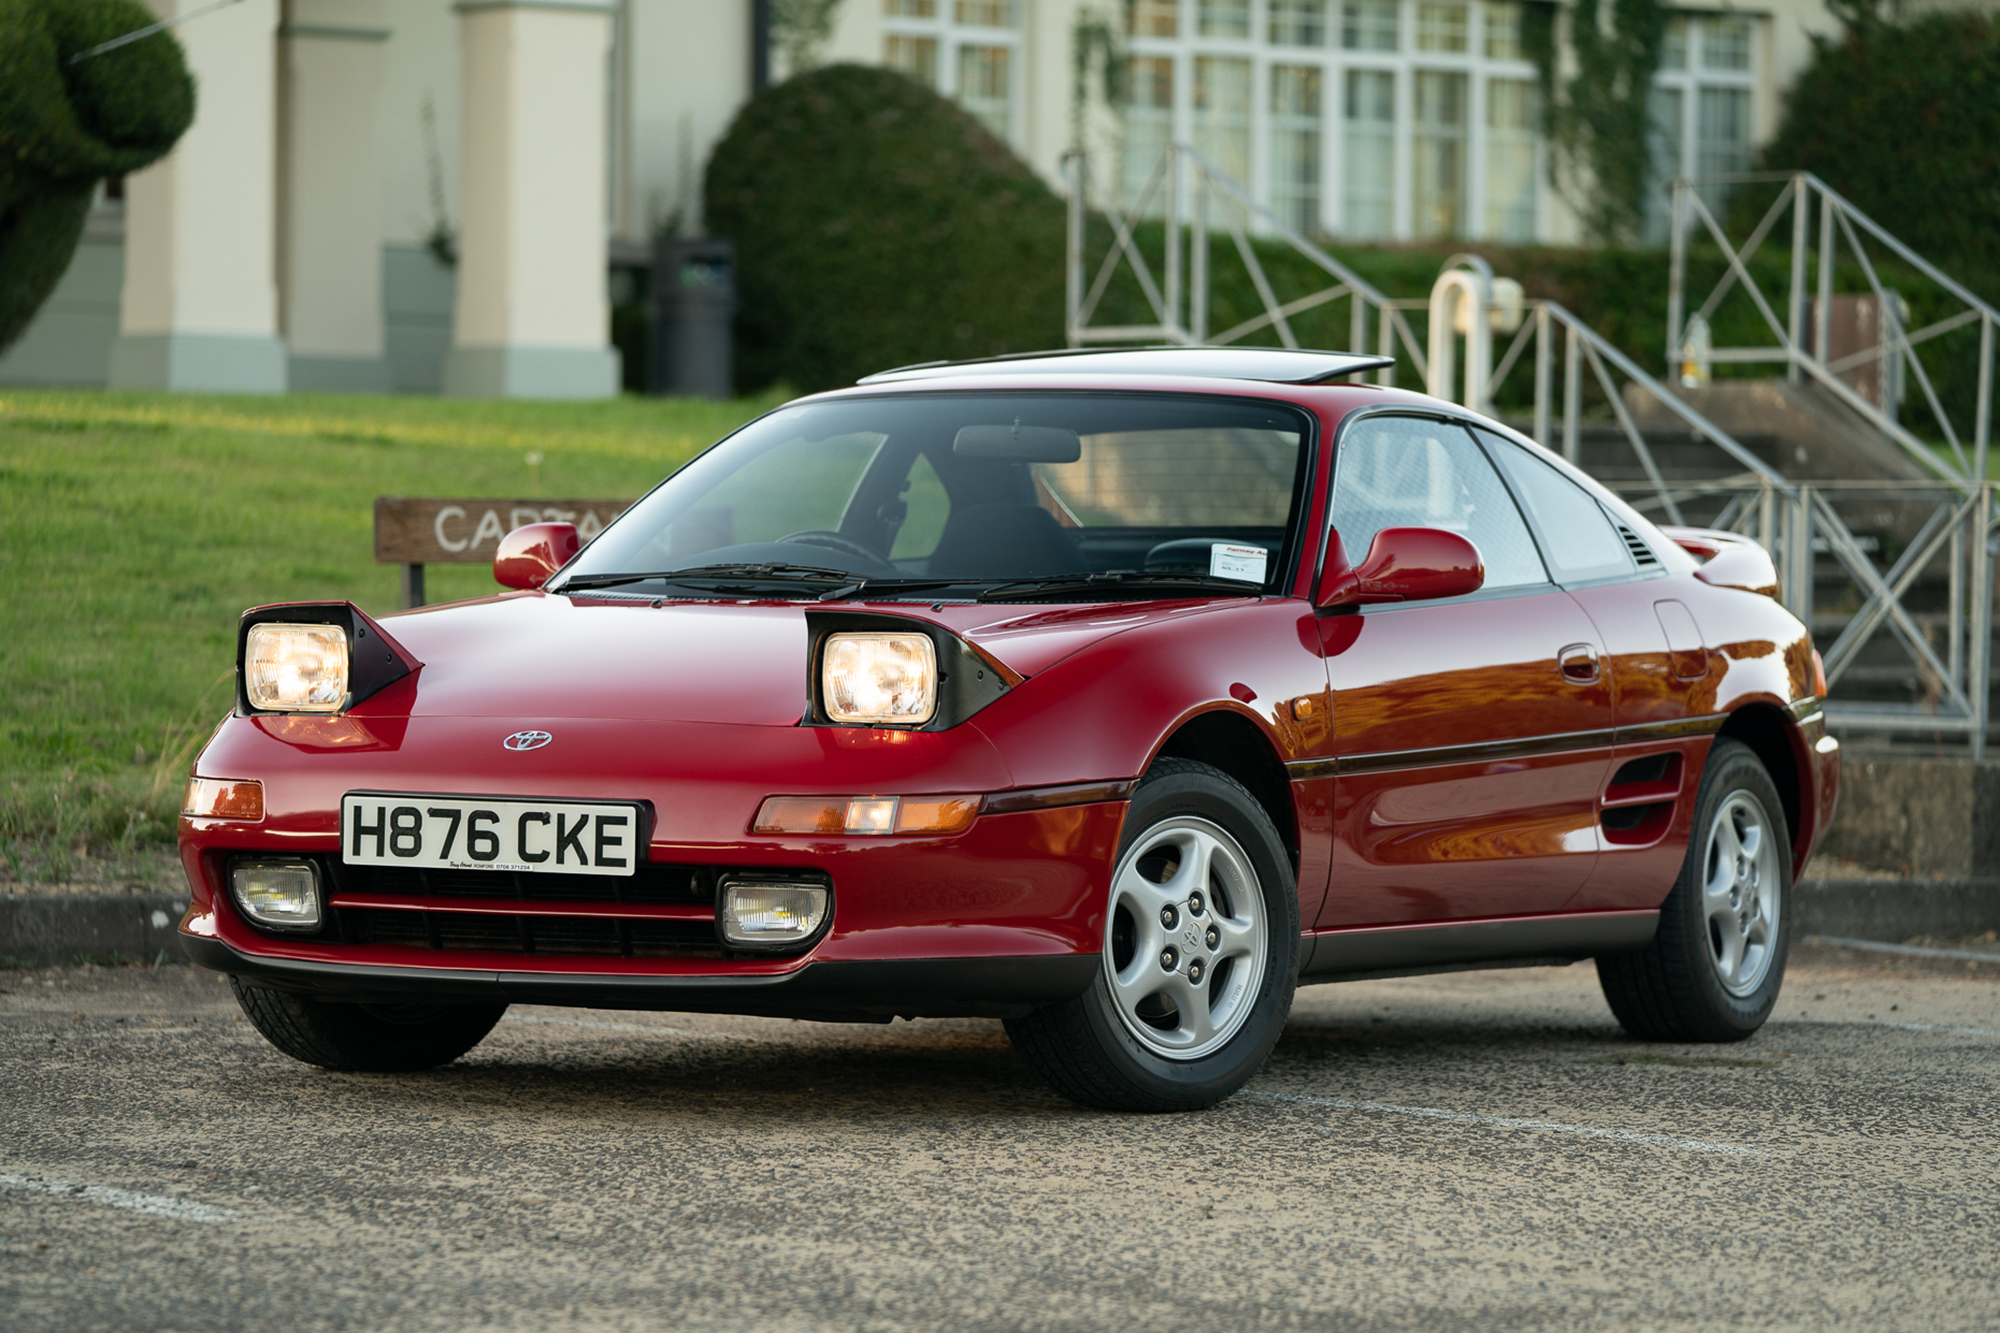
<point>1904,119</point>
<point>64,127</point>
<point>877,224</point>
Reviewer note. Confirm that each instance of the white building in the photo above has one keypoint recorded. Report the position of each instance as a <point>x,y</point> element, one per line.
<point>290,240</point>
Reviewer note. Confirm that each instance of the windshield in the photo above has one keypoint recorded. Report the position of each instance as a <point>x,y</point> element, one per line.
<point>957,495</point>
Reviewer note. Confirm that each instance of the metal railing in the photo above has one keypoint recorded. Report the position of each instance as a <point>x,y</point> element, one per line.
<point>1806,352</point>
<point>1933,600</point>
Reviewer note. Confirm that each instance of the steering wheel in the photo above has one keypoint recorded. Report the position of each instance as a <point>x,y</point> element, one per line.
<point>833,541</point>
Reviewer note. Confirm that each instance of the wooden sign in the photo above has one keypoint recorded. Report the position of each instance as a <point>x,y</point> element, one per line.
<point>428,530</point>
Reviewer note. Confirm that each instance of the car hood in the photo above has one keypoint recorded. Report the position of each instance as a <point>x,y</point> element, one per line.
<point>538,656</point>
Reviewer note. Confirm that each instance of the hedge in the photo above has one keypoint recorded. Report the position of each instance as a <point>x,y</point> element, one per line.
<point>64,127</point>
<point>877,224</point>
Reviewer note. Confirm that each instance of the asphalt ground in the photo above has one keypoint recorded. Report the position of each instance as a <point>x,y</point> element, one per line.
<point>1481,1150</point>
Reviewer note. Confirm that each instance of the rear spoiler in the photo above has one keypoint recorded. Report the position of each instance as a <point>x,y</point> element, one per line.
<point>1728,560</point>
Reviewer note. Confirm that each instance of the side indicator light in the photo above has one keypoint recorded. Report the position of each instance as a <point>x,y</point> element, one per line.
<point>224,798</point>
<point>866,816</point>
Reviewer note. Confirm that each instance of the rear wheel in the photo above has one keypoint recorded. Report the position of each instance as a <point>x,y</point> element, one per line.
<point>1713,971</point>
<point>1200,957</point>
<point>373,1038</point>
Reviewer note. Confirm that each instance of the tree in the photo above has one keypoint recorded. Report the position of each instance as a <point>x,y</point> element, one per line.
<point>68,120</point>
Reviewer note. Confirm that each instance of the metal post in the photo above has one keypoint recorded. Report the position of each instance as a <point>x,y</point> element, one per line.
<point>1386,334</point>
<point>1982,424</point>
<point>1357,322</point>
<point>1545,369</point>
<point>1173,240</point>
<point>1795,317</point>
<point>1676,281</point>
<point>1798,590</point>
<point>413,586</point>
<point>1073,272</point>
<point>1198,263</point>
<point>1981,636</point>
<point>1767,520</point>
<point>1572,393</point>
<point>1954,640</point>
<point>1823,313</point>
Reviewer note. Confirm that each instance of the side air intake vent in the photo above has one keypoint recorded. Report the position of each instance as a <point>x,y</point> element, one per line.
<point>1642,554</point>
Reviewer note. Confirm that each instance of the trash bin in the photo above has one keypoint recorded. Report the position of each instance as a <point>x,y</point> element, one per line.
<point>693,296</point>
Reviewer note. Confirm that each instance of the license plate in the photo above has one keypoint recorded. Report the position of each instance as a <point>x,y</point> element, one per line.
<point>471,833</point>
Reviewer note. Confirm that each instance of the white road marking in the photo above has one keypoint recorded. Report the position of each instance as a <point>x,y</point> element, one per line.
<point>649,1029</point>
<point>156,1205</point>
<point>1908,950</point>
<point>1880,1023</point>
<point>1514,1122</point>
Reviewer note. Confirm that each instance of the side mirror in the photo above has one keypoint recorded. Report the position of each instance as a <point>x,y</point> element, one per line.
<point>527,556</point>
<point>1403,565</point>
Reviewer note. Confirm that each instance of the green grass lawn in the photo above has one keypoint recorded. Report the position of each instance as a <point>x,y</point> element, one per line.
<point>134,528</point>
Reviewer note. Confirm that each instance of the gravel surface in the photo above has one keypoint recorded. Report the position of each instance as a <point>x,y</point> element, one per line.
<point>1482,1150</point>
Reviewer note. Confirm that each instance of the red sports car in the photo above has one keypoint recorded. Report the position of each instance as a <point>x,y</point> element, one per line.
<point>1112,694</point>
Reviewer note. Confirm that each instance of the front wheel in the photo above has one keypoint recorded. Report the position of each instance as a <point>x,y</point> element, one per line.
<point>1713,970</point>
<point>372,1038</point>
<point>1201,952</point>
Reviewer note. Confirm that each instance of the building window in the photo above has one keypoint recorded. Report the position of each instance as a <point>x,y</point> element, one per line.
<point>1156,18</point>
<point>1296,146</point>
<point>1370,25</point>
<point>1441,27</point>
<point>1503,32</point>
<point>984,86</point>
<point>1368,184</point>
<point>966,49</point>
<point>1702,111</point>
<point>1149,128</point>
<point>1222,18</point>
<point>1437,158</point>
<point>914,56</point>
<point>1298,22</point>
<point>1222,113</point>
<point>1510,159</point>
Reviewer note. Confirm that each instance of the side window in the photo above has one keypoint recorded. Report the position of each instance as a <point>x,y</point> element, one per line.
<point>1400,472</point>
<point>925,509</point>
<point>1578,539</point>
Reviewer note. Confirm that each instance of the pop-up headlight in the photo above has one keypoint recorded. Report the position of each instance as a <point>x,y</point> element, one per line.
<point>296,668</point>
<point>887,679</point>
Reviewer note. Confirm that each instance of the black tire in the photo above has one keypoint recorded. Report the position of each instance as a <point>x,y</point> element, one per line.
<point>1086,1048</point>
<point>1674,989</point>
<point>368,1038</point>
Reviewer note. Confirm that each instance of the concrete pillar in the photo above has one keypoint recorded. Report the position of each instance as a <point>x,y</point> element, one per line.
<point>532,318</point>
<point>330,213</point>
<point>199,311</point>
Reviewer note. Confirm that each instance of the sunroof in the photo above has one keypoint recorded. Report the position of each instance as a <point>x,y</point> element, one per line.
<point>1276,365</point>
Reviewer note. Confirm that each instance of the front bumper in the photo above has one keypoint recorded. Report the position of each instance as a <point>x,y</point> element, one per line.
<point>853,991</point>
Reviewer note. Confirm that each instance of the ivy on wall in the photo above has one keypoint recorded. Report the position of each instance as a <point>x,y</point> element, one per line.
<point>1598,122</point>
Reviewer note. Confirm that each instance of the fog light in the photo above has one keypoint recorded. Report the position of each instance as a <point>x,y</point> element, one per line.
<point>771,916</point>
<point>280,895</point>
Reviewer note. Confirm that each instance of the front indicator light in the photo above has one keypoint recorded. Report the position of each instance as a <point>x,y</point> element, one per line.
<point>223,798</point>
<point>296,668</point>
<point>865,816</point>
<point>770,916</point>
<point>277,894</point>
<point>880,679</point>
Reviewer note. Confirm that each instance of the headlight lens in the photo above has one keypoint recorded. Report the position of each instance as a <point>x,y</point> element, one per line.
<point>296,668</point>
<point>223,798</point>
<point>283,895</point>
<point>880,678</point>
<point>771,915</point>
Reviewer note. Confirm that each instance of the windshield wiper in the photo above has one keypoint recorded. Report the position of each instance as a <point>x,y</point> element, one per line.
<point>705,573</point>
<point>1120,579</point>
<point>857,585</point>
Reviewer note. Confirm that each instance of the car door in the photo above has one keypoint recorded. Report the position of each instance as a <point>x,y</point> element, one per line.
<point>1471,733</point>
<point>1659,670</point>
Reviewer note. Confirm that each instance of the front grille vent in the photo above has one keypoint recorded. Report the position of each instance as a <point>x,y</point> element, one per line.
<point>1642,554</point>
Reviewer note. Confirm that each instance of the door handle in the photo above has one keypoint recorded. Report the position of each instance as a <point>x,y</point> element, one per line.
<point>1578,664</point>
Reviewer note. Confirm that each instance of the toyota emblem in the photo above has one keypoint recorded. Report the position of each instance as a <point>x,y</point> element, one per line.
<point>526,740</point>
